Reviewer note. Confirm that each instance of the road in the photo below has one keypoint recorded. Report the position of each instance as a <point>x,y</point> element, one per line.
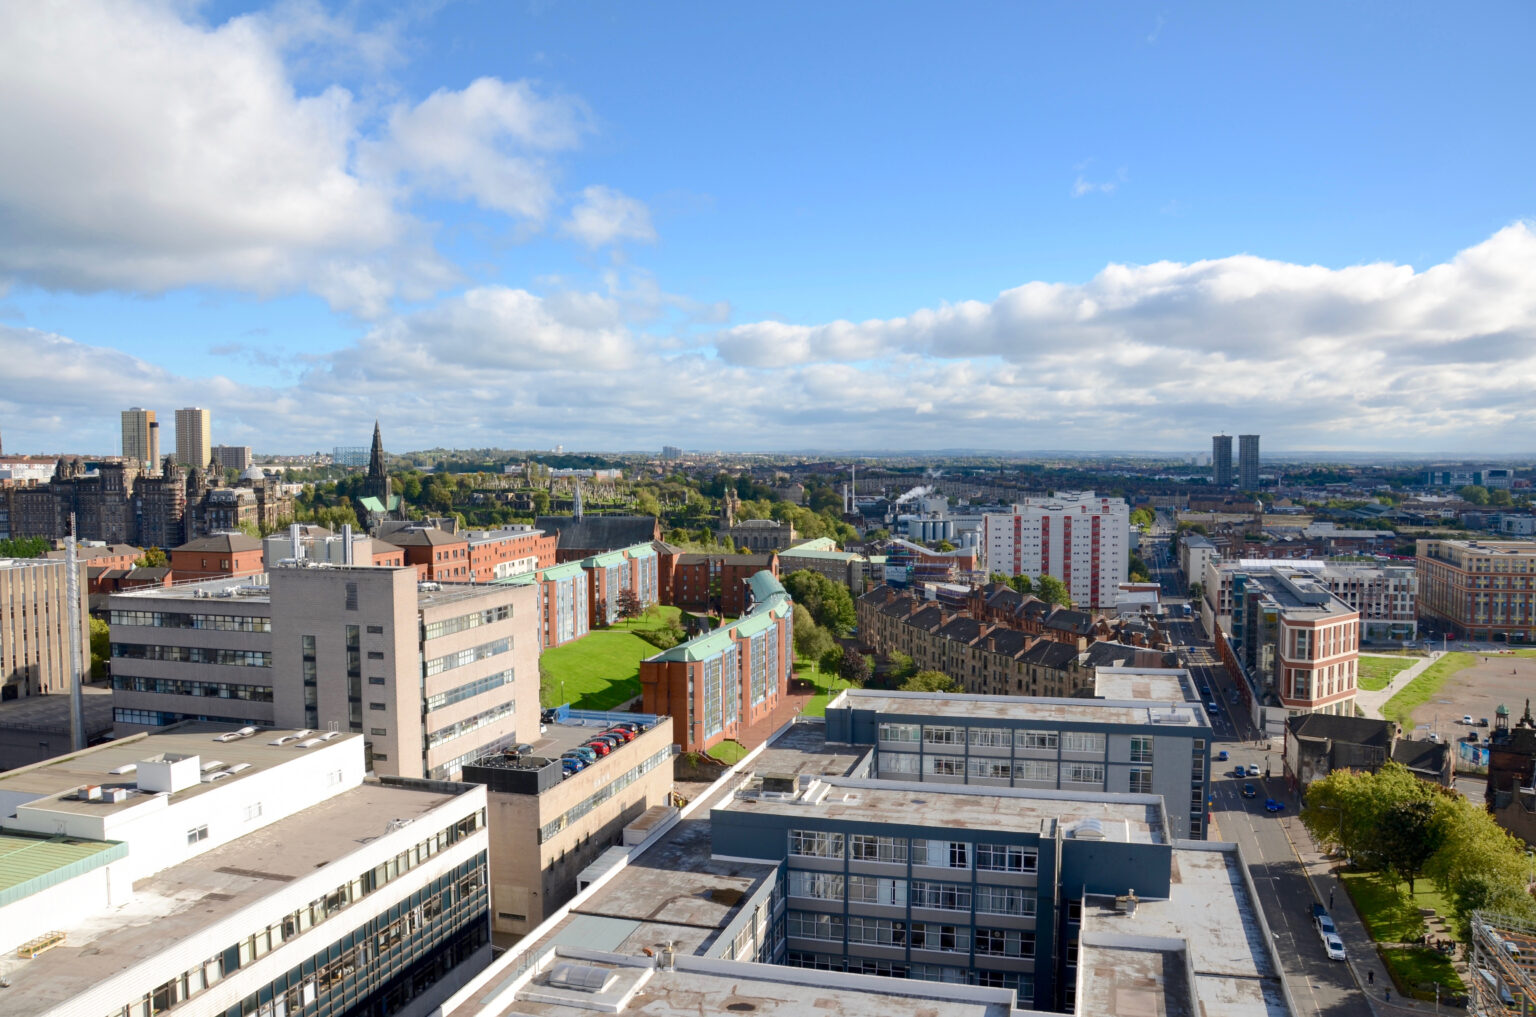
<point>1318,985</point>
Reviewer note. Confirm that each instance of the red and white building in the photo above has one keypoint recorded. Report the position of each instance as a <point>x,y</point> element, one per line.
<point>1295,646</point>
<point>1080,538</point>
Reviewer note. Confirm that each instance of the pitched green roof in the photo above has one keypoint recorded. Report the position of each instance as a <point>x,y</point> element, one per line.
<point>604,561</point>
<point>29,863</point>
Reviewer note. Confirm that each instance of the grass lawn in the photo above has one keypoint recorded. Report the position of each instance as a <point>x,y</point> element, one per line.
<point>601,670</point>
<point>1413,967</point>
<point>1376,673</point>
<point>1419,691</point>
<point>728,752</point>
<point>648,622</point>
<point>829,685</point>
<point>1390,915</point>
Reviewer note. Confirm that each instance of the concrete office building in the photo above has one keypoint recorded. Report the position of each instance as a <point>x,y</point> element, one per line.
<point>237,872</point>
<point>1386,596</point>
<point>548,829</point>
<point>34,627</point>
<point>431,676</point>
<point>1080,539</point>
<point>141,439</point>
<point>194,437</point>
<point>232,457</point>
<point>798,885</point>
<point>1479,589</point>
<point>1248,462</point>
<point>1130,745</point>
<point>1221,460</point>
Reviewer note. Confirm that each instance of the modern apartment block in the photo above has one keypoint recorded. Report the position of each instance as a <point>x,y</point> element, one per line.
<point>238,872</point>
<point>432,677</point>
<point>1134,746</point>
<point>548,828</point>
<point>508,551</point>
<point>563,600</point>
<point>708,583</point>
<point>1386,596</point>
<point>1294,647</point>
<point>1479,589</point>
<point>141,438</point>
<point>1079,538</point>
<point>1248,462</point>
<point>1221,460</point>
<point>798,885</point>
<point>719,684</point>
<point>232,457</point>
<point>34,627</point>
<point>194,437</point>
<point>631,570</point>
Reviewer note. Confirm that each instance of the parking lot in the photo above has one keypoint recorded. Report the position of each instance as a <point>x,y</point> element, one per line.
<point>1493,678</point>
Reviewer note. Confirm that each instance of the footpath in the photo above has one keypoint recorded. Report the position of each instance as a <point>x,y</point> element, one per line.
<point>1372,702</point>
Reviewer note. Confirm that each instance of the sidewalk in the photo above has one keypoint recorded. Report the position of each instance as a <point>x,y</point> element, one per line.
<point>1358,945</point>
<point>1372,702</point>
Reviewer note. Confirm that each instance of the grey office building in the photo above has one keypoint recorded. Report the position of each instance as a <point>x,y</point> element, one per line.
<point>1248,462</point>
<point>1221,460</point>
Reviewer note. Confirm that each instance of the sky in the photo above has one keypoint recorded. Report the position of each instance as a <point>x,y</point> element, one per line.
<point>1114,226</point>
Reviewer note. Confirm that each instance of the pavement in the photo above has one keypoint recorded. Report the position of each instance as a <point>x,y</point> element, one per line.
<point>1372,702</point>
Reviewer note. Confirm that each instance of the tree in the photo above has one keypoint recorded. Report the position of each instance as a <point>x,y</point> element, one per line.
<point>1142,517</point>
<point>1409,835</point>
<point>1053,591</point>
<point>1501,497</point>
<point>101,650</point>
<point>1022,583</point>
<point>829,603</point>
<point>646,504</point>
<point>930,681</point>
<point>1139,573</point>
<point>1196,590</point>
<point>627,603</point>
<point>945,545</point>
<point>541,503</point>
<point>997,577</point>
<point>24,547</point>
<point>902,666</point>
<point>855,669</point>
<point>152,558</point>
<point>1477,494</point>
<point>832,661</point>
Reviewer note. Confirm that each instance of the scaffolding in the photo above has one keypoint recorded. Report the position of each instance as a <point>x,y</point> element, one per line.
<point>1503,967</point>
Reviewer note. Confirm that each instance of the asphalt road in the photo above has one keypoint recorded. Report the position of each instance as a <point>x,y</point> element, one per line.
<point>1319,986</point>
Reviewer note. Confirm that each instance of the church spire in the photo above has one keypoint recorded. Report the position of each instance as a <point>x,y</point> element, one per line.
<point>376,456</point>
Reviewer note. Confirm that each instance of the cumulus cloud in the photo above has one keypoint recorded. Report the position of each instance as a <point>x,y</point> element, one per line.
<point>1151,357</point>
<point>145,152</point>
<point>605,216</point>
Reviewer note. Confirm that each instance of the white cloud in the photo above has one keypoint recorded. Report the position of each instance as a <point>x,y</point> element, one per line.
<point>1082,185</point>
<point>1151,356</point>
<point>605,216</point>
<point>143,152</point>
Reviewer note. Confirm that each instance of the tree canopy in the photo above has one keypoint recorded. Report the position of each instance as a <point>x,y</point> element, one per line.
<point>1053,591</point>
<point>930,681</point>
<point>830,603</point>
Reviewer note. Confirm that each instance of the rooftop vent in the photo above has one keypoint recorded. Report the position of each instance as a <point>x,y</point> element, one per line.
<point>580,977</point>
<point>1091,828</point>
<point>309,743</point>
<point>239,767</point>
<point>118,771</point>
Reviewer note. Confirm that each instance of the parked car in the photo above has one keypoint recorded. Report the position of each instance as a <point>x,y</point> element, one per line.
<point>1253,769</point>
<point>1482,722</point>
<point>602,748</point>
<point>1221,756</point>
<point>1319,912</point>
<point>571,765</point>
<point>547,716</point>
<point>1273,805</point>
<point>1335,947</point>
<point>580,752</point>
<point>623,733</point>
<point>1249,791</point>
<point>1466,719</point>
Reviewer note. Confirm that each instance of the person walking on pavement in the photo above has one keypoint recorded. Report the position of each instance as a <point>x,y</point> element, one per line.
<point>1370,977</point>
<point>1330,900</point>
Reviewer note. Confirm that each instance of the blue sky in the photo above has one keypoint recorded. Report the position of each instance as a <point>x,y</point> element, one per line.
<point>610,226</point>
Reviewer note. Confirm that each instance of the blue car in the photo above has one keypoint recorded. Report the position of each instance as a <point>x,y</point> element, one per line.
<point>1273,805</point>
<point>1221,757</point>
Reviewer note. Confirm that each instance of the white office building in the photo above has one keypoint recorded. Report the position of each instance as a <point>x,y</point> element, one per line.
<point>1080,538</point>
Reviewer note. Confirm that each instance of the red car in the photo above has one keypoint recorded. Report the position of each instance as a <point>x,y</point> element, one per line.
<point>626,735</point>
<point>602,748</point>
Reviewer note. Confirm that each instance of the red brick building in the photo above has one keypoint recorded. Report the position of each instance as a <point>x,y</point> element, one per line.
<point>717,583</point>
<point>438,556</point>
<point>497,554</point>
<point>609,575</point>
<point>217,556</point>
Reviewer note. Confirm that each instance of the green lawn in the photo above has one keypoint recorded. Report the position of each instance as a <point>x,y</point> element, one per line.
<point>1389,913</point>
<point>1419,691</point>
<point>1376,673</point>
<point>601,670</point>
<point>728,752</point>
<point>829,685</point>
<point>1414,969</point>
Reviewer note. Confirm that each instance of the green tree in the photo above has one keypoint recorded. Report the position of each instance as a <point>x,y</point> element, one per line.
<point>997,577</point>
<point>1139,573</point>
<point>1477,494</point>
<point>1053,591</point>
<point>945,545</point>
<point>1408,837</point>
<point>101,649</point>
<point>1022,583</point>
<point>1142,517</point>
<point>855,669</point>
<point>152,558</point>
<point>829,603</point>
<point>878,534</point>
<point>541,503</point>
<point>24,547</point>
<point>930,681</point>
<point>831,662</point>
<point>902,666</point>
<point>647,505</point>
<point>1499,496</point>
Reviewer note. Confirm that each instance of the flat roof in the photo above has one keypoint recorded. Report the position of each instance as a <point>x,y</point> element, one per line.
<point>255,588</point>
<point>1157,684</point>
<point>948,706</point>
<point>1126,818</point>
<point>694,986</point>
<point>56,777</point>
<point>1210,916</point>
<point>182,901</point>
<point>49,713</point>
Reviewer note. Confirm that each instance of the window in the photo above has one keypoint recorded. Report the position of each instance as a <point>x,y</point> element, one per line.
<point>375,630</point>
<point>815,844</point>
<point>990,769</point>
<point>1082,773</point>
<point>945,938</point>
<point>197,833</point>
<point>1039,770</point>
<point>378,732</point>
<point>1004,900</point>
<point>375,655</point>
<point>944,766</point>
<point>1005,858</point>
<point>878,931</point>
<point>898,762</point>
<point>253,811</point>
<point>943,735</point>
<point>378,706</point>
<point>1083,741</point>
<point>1035,739</point>
<point>876,890</point>
<point>1141,780</point>
<point>1005,943</point>
<point>899,732</point>
<point>805,925</point>
<point>991,737</point>
<point>867,848</point>
<point>1141,748</point>
<point>816,885</point>
<point>375,681</point>
<point>941,896</point>
<point>944,854</point>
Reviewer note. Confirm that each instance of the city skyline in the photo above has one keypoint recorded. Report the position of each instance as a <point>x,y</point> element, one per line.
<point>516,227</point>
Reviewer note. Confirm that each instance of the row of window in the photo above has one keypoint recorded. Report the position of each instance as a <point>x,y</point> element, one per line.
<point>192,655</point>
<point>951,854</point>
<point>468,690</point>
<point>993,737</point>
<point>160,718</point>
<point>177,620</point>
<point>469,724</point>
<point>919,893</point>
<point>177,687</point>
<point>469,655</point>
<point>1043,771</point>
<point>465,622</point>
<point>603,793</point>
